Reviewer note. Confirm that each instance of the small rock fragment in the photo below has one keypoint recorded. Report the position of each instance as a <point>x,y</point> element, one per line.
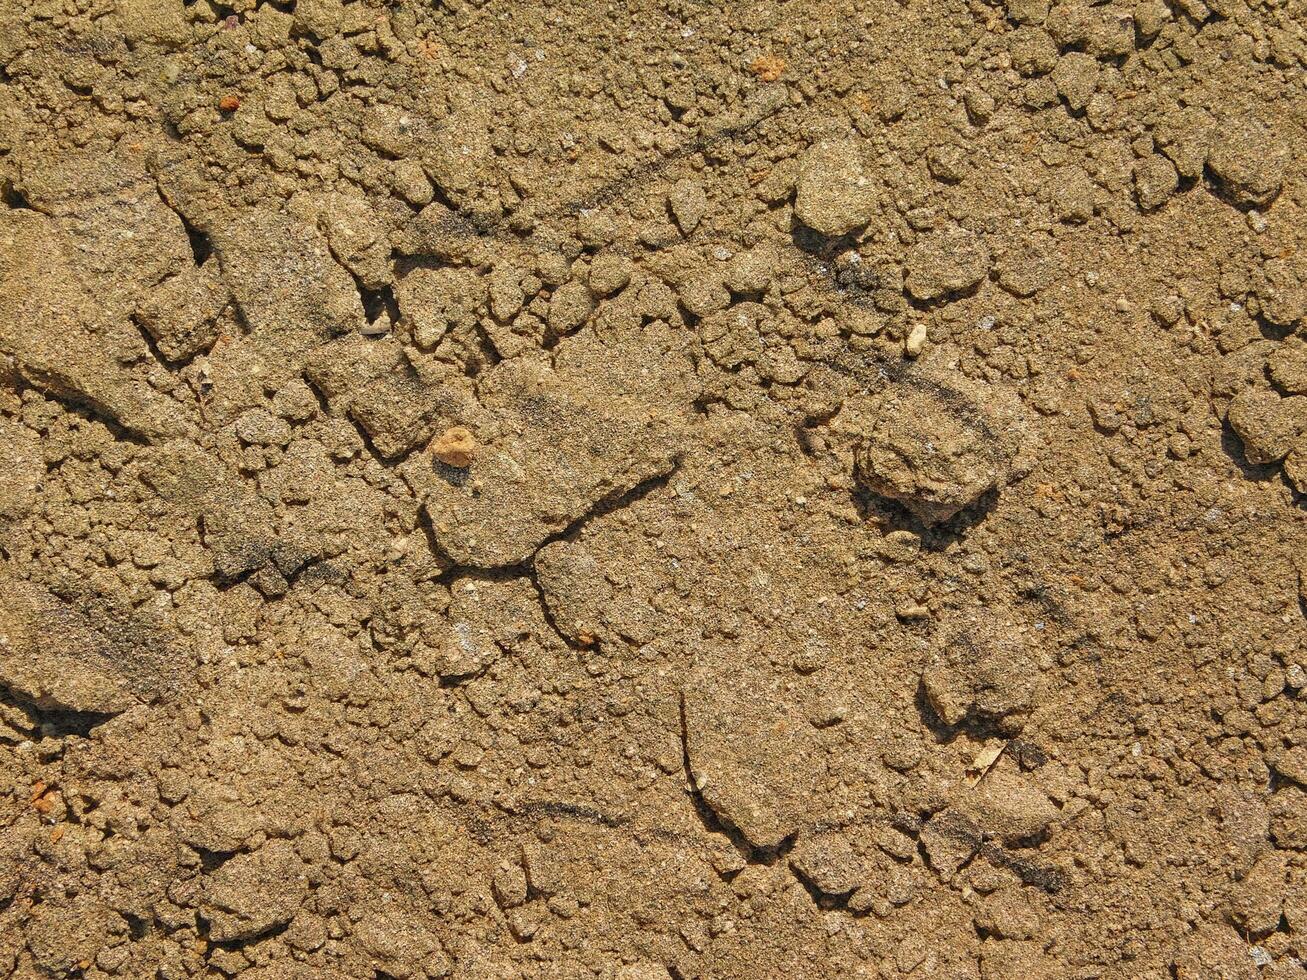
<point>915,342</point>
<point>767,67</point>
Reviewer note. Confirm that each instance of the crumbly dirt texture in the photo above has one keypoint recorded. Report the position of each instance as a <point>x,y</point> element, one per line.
<point>653,490</point>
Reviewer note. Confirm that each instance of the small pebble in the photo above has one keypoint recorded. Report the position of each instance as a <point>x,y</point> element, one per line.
<point>1296,677</point>
<point>454,447</point>
<point>916,340</point>
<point>911,611</point>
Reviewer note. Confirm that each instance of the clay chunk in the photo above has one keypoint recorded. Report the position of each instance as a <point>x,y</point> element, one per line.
<point>383,392</point>
<point>1008,806</point>
<point>54,329</point>
<point>19,480</point>
<point>254,893</point>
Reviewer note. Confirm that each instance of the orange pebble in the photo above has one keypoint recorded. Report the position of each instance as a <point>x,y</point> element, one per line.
<point>768,67</point>
<point>454,447</point>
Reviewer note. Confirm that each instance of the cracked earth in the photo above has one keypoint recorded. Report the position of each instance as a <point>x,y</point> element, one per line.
<point>653,491</point>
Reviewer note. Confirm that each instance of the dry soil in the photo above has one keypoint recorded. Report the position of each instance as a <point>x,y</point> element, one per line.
<point>653,490</point>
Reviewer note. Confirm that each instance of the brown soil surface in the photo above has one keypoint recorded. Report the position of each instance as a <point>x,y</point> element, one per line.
<point>653,490</point>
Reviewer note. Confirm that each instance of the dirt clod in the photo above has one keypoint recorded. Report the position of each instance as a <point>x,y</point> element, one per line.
<point>940,444</point>
<point>834,195</point>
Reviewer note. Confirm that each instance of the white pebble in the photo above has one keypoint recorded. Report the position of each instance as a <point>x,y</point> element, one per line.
<point>916,341</point>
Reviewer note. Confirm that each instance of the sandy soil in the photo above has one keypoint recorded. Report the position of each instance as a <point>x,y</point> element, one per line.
<point>653,490</point>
